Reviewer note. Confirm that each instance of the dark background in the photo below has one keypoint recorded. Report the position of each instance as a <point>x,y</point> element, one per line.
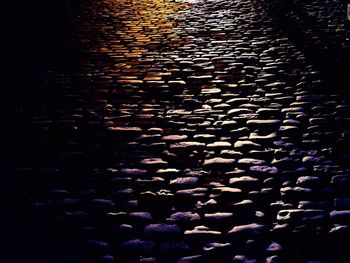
<point>29,30</point>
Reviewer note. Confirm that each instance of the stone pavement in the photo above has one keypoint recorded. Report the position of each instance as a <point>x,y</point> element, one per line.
<point>178,131</point>
<point>320,29</point>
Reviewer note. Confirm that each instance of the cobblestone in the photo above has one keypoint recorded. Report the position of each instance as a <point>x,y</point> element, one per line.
<point>184,131</point>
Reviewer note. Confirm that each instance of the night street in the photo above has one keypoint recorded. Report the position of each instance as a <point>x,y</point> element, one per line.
<point>178,131</point>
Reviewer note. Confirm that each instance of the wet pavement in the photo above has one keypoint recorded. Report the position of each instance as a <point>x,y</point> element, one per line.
<point>180,131</point>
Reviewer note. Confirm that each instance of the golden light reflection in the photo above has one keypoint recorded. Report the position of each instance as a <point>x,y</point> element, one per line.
<point>142,29</point>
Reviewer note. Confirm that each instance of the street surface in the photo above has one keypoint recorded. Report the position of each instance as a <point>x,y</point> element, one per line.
<point>181,131</point>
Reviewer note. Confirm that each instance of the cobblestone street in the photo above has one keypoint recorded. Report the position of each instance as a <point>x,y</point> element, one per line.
<point>184,131</point>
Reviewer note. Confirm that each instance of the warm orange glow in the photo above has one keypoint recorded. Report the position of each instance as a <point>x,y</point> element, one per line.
<point>141,27</point>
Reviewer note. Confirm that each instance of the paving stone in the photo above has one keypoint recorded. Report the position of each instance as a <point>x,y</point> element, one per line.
<point>262,138</point>
<point>218,145</point>
<point>154,163</point>
<point>263,170</point>
<point>219,251</point>
<point>200,232</point>
<point>133,172</point>
<point>244,182</point>
<point>230,153</point>
<point>296,193</point>
<point>190,259</point>
<point>193,192</point>
<point>125,131</point>
<point>339,231</point>
<point>302,216</point>
<point>308,181</point>
<point>162,230</point>
<point>340,216</point>
<point>274,248</point>
<point>245,231</point>
<point>226,193</point>
<point>184,182</point>
<point>217,218</point>
<point>250,162</point>
<point>183,131</point>
<point>186,146</point>
<point>187,218</point>
<point>246,145</point>
<point>174,138</point>
<point>219,163</point>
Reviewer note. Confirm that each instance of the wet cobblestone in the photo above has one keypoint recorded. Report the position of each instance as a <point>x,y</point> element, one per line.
<point>182,131</point>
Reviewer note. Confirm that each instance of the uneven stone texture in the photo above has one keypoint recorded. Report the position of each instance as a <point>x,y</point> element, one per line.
<point>184,131</point>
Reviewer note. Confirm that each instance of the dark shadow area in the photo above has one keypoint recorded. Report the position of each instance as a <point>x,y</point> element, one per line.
<point>321,31</point>
<point>30,31</point>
